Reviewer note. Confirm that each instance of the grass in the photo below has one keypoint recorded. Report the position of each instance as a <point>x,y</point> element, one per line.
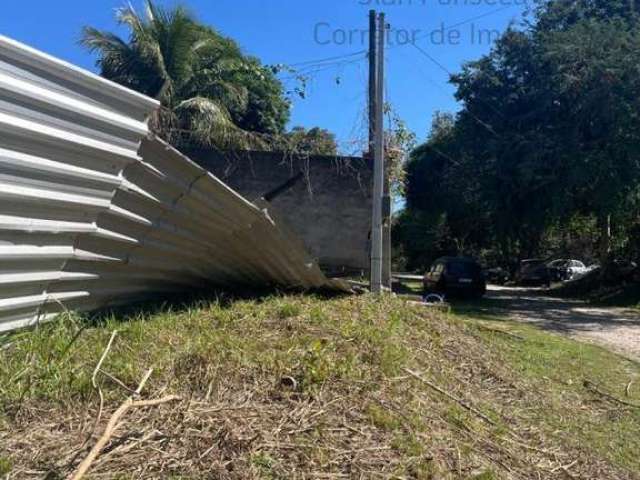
<point>409,289</point>
<point>564,371</point>
<point>351,410</point>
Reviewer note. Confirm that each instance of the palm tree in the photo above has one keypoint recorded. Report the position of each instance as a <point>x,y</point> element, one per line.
<point>189,68</point>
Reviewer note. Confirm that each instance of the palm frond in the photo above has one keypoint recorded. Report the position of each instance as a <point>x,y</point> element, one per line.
<point>180,35</point>
<point>209,124</point>
<point>149,10</point>
<point>120,61</point>
<point>100,41</point>
<point>199,76</point>
<point>206,110</point>
<point>127,16</point>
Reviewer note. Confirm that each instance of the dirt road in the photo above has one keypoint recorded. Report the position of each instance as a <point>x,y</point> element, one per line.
<point>617,329</point>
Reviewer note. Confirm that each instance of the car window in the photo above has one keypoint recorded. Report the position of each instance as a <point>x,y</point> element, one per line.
<point>462,268</point>
<point>439,268</point>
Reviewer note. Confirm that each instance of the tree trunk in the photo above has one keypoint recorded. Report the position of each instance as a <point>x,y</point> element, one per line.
<point>604,222</point>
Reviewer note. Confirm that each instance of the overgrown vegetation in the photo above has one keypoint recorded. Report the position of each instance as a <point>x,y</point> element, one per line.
<point>302,386</point>
<point>542,158</point>
<point>212,94</point>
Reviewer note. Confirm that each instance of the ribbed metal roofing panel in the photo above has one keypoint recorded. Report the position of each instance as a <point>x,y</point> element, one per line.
<point>96,212</point>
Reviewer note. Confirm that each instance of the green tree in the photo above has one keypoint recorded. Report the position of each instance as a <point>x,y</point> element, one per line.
<point>444,210</point>
<point>597,83</point>
<point>548,131</point>
<point>211,94</point>
<point>315,141</point>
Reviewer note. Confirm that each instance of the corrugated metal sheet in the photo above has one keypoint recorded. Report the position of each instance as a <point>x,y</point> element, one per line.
<point>95,212</point>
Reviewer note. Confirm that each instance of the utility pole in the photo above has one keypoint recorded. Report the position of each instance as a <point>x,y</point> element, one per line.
<point>376,88</point>
<point>373,76</point>
<point>373,80</point>
<point>386,197</point>
<point>386,229</point>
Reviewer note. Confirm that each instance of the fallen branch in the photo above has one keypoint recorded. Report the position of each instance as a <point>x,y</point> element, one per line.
<point>117,381</point>
<point>565,468</point>
<point>96,387</point>
<point>594,388</point>
<point>459,401</point>
<point>113,424</point>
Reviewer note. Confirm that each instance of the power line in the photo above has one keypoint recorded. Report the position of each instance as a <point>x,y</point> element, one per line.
<point>451,27</point>
<point>327,66</point>
<point>478,17</point>
<point>442,67</point>
<point>315,69</point>
<point>433,60</point>
<point>339,59</point>
<point>323,60</point>
<point>475,117</point>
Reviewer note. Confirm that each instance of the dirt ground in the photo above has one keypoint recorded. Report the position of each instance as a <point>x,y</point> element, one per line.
<point>617,329</point>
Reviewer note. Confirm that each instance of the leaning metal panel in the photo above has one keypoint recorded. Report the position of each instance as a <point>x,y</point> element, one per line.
<point>94,211</point>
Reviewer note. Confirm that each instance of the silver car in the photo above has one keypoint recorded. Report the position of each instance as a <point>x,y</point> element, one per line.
<point>564,270</point>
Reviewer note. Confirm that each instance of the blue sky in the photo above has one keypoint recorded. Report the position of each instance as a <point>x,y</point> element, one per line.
<point>451,32</point>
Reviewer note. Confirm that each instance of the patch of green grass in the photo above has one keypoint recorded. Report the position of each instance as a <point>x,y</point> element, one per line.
<point>5,466</point>
<point>408,444</point>
<point>414,287</point>
<point>266,466</point>
<point>55,362</point>
<point>409,290</point>
<point>488,475</point>
<point>289,310</point>
<point>383,418</point>
<point>558,367</point>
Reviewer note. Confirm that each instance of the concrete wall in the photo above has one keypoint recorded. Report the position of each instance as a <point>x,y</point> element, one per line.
<point>330,208</point>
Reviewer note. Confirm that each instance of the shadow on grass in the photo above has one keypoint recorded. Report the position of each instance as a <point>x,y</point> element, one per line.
<point>184,301</point>
<point>155,304</point>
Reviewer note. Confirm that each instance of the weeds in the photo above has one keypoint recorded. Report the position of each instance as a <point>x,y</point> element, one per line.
<point>349,410</point>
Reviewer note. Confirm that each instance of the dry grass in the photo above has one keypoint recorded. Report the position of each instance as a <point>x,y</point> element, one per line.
<point>289,388</point>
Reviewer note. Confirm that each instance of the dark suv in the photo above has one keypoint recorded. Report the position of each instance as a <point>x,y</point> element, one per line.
<point>455,276</point>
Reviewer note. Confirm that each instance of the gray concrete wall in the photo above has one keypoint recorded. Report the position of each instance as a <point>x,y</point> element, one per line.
<point>330,208</point>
